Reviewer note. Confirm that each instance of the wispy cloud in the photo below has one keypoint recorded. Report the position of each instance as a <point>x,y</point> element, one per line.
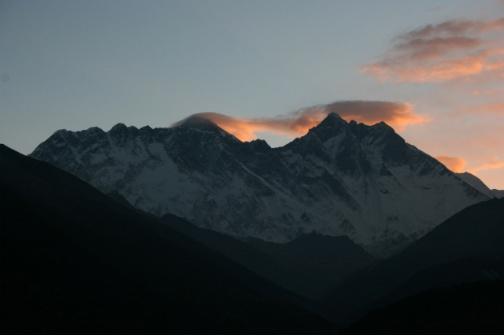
<point>446,51</point>
<point>396,114</point>
<point>489,165</point>
<point>461,63</point>
<point>455,164</point>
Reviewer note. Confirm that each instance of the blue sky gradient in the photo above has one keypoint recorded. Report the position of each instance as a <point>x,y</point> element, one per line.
<point>78,64</point>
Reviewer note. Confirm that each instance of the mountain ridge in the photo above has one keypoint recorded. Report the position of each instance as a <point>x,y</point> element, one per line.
<point>340,178</point>
<point>479,185</point>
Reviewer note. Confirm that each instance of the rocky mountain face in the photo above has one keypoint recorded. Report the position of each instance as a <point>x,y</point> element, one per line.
<point>341,178</point>
<point>479,185</point>
<point>476,183</point>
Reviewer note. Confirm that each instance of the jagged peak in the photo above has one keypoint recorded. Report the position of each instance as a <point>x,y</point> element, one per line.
<point>121,129</point>
<point>94,130</point>
<point>202,123</point>
<point>60,132</point>
<point>198,122</point>
<point>329,127</point>
<point>378,130</point>
<point>259,145</point>
<point>332,119</point>
<point>118,127</point>
<point>382,125</point>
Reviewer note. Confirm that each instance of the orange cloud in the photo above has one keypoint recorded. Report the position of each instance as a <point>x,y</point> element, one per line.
<point>456,164</point>
<point>436,53</point>
<point>297,123</point>
<point>424,49</point>
<point>490,165</point>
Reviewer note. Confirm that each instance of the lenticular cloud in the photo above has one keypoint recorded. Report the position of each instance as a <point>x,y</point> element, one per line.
<point>396,114</point>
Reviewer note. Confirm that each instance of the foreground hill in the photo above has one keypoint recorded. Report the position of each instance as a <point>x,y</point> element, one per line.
<point>465,248</point>
<point>470,308</point>
<point>75,261</point>
<point>341,178</point>
<point>310,265</point>
<point>317,262</point>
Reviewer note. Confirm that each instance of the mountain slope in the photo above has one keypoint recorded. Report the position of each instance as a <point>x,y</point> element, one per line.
<point>309,265</point>
<point>467,247</point>
<point>341,178</point>
<point>471,308</point>
<point>316,262</point>
<point>476,183</point>
<point>498,193</point>
<point>75,261</point>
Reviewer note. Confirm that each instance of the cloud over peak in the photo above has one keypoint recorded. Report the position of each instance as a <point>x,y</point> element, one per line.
<point>455,164</point>
<point>297,123</point>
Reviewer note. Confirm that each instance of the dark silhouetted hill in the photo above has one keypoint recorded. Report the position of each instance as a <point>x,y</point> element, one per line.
<point>470,308</point>
<point>465,248</point>
<point>75,261</point>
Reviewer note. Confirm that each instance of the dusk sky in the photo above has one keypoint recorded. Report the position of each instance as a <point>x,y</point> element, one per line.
<point>433,70</point>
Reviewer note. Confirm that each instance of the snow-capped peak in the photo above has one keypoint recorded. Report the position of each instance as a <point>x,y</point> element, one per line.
<point>341,178</point>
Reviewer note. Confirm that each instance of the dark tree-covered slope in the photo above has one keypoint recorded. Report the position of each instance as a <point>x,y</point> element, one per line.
<point>310,265</point>
<point>75,261</point>
<point>467,247</point>
<point>470,308</point>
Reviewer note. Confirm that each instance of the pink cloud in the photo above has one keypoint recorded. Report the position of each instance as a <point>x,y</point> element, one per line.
<point>450,50</point>
<point>425,49</point>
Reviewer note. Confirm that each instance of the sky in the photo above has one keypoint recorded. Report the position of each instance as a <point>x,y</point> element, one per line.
<point>433,70</point>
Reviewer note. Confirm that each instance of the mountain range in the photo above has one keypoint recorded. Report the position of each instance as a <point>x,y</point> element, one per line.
<point>74,260</point>
<point>340,179</point>
<point>279,244</point>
